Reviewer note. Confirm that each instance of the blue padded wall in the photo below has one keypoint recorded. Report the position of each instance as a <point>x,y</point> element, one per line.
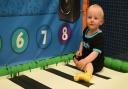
<point>31,30</point>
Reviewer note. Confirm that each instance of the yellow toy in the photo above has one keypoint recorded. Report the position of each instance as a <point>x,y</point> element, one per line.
<point>85,76</point>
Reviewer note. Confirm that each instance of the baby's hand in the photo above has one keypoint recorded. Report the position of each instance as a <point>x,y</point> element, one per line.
<point>78,53</point>
<point>81,64</point>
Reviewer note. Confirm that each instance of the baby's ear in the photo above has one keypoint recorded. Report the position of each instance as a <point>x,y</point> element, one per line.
<point>102,22</point>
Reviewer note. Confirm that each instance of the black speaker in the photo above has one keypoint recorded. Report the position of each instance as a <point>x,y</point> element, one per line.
<point>69,10</point>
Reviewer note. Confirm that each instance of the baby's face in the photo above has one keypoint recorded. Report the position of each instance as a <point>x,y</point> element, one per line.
<point>94,18</point>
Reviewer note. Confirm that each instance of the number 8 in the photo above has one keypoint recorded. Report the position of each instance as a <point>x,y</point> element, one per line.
<point>64,33</point>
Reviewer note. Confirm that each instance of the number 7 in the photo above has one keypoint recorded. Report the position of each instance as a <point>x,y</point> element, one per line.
<point>44,33</point>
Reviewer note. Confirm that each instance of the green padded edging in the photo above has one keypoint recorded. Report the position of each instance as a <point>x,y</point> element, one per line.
<point>3,71</point>
<point>42,63</point>
<point>111,63</point>
<point>124,67</point>
<point>116,64</point>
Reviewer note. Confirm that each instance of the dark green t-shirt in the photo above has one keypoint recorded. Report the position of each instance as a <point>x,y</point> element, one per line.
<point>92,43</point>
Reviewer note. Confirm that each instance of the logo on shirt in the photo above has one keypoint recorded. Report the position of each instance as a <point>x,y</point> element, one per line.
<point>86,45</point>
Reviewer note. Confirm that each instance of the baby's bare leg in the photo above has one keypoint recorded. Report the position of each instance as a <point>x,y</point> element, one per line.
<point>86,75</point>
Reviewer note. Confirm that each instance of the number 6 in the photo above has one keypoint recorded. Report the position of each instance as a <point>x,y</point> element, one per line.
<point>20,40</point>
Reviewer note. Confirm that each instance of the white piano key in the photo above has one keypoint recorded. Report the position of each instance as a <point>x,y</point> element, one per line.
<point>72,72</point>
<point>7,84</point>
<point>53,81</point>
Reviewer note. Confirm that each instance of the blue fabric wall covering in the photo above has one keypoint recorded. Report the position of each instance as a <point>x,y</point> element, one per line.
<point>26,24</point>
<point>28,7</point>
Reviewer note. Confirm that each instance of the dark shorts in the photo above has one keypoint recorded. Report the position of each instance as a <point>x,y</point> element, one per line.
<point>98,64</point>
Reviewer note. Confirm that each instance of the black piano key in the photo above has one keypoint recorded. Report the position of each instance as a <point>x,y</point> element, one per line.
<point>28,83</point>
<point>98,75</point>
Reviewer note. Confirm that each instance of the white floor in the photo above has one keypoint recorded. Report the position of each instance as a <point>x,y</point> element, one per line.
<point>118,80</point>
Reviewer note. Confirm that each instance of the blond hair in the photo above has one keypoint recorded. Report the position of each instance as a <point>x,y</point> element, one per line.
<point>98,7</point>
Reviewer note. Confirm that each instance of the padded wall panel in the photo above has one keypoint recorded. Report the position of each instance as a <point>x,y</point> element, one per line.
<point>34,31</point>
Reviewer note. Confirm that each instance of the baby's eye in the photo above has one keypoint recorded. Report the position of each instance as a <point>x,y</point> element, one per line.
<point>95,18</point>
<point>89,17</point>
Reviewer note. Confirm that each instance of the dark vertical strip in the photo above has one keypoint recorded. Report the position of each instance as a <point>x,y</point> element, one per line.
<point>102,76</point>
<point>67,76</point>
<point>98,75</point>
<point>28,83</point>
<point>21,83</point>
